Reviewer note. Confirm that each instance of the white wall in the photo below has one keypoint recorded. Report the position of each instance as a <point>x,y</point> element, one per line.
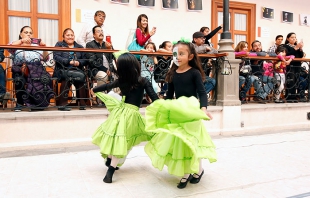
<point>171,24</point>
<point>174,24</point>
<point>276,26</point>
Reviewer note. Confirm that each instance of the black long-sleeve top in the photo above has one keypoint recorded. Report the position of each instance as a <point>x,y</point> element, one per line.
<point>63,58</point>
<point>96,59</point>
<point>297,53</point>
<point>211,34</point>
<point>188,84</point>
<point>135,96</point>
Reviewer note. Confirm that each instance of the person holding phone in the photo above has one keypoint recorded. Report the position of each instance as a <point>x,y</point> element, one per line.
<point>32,61</point>
<point>293,70</point>
<point>86,34</point>
<point>99,62</point>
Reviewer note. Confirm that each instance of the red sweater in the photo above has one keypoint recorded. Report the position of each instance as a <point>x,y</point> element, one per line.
<point>141,38</point>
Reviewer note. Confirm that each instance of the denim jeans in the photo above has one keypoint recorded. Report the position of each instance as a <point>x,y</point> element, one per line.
<point>209,84</point>
<point>2,80</point>
<point>263,91</point>
<point>303,85</point>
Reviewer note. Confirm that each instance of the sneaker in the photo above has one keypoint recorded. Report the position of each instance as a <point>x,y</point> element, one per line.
<point>279,101</point>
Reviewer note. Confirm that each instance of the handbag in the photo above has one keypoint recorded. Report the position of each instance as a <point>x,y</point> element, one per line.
<point>73,74</point>
<point>134,46</point>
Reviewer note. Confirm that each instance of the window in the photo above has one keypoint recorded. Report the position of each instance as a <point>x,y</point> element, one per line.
<point>47,19</point>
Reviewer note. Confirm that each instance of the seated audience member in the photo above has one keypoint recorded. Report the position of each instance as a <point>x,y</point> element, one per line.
<point>27,68</point>
<point>258,71</point>
<point>279,40</point>
<point>245,71</point>
<point>208,35</point>
<point>86,34</point>
<point>4,96</point>
<point>201,48</point>
<point>66,62</point>
<point>99,61</point>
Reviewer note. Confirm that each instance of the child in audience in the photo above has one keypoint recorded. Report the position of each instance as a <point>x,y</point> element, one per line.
<point>280,70</point>
<point>162,67</point>
<point>181,139</point>
<point>148,64</point>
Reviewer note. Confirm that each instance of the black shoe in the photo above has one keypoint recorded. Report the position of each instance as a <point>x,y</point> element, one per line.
<point>183,184</point>
<point>109,175</point>
<point>108,163</point>
<point>195,180</point>
<point>259,100</point>
<point>303,100</point>
<point>82,108</point>
<point>64,109</point>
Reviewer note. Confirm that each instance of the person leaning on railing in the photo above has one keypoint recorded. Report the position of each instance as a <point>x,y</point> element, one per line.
<point>69,61</point>
<point>31,58</point>
<point>293,70</point>
<point>4,96</point>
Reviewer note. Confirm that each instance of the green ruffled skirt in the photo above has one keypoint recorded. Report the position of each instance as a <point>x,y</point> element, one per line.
<point>180,139</point>
<point>123,129</point>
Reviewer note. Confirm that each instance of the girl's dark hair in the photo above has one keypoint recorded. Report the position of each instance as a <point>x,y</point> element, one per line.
<point>194,63</point>
<point>151,43</point>
<point>139,24</point>
<point>281,48</point>
<point>65,31</point>
<point>21,30</point>
<point>163,45</point>
<point>288,36</point>
<point>202,29</point>
<point>128,72</point>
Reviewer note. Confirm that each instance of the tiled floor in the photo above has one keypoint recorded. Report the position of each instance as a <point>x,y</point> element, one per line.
<point>272,165</point>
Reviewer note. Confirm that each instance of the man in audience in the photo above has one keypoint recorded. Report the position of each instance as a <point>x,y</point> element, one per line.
<point>279,40</point>
<point>86,35</point>
<point>99,61</point>
<point>4,96</point>
<point>257,70</point>
<point>202,48</point>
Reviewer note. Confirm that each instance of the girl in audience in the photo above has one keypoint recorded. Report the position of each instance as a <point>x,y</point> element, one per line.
<point>125,127</point>
<point>181,140</point>
<point>279,71</point>
<point>162,67</point>
<point>148,64</point>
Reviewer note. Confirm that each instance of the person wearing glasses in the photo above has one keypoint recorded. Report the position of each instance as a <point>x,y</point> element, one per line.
<point>86,34</point>
<point>202,48</point>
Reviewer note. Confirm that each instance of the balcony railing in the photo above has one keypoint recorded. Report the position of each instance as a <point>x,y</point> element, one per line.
<point>33,83</point>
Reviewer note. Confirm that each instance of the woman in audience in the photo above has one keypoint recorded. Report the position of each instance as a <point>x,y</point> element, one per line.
<point>27,63</point>
<point>293,70</point>
<point>142,32</point>
<point>245,76</point>
<point>69,70</point>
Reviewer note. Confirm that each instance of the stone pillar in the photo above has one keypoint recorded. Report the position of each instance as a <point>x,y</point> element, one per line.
<point>228,85</point>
